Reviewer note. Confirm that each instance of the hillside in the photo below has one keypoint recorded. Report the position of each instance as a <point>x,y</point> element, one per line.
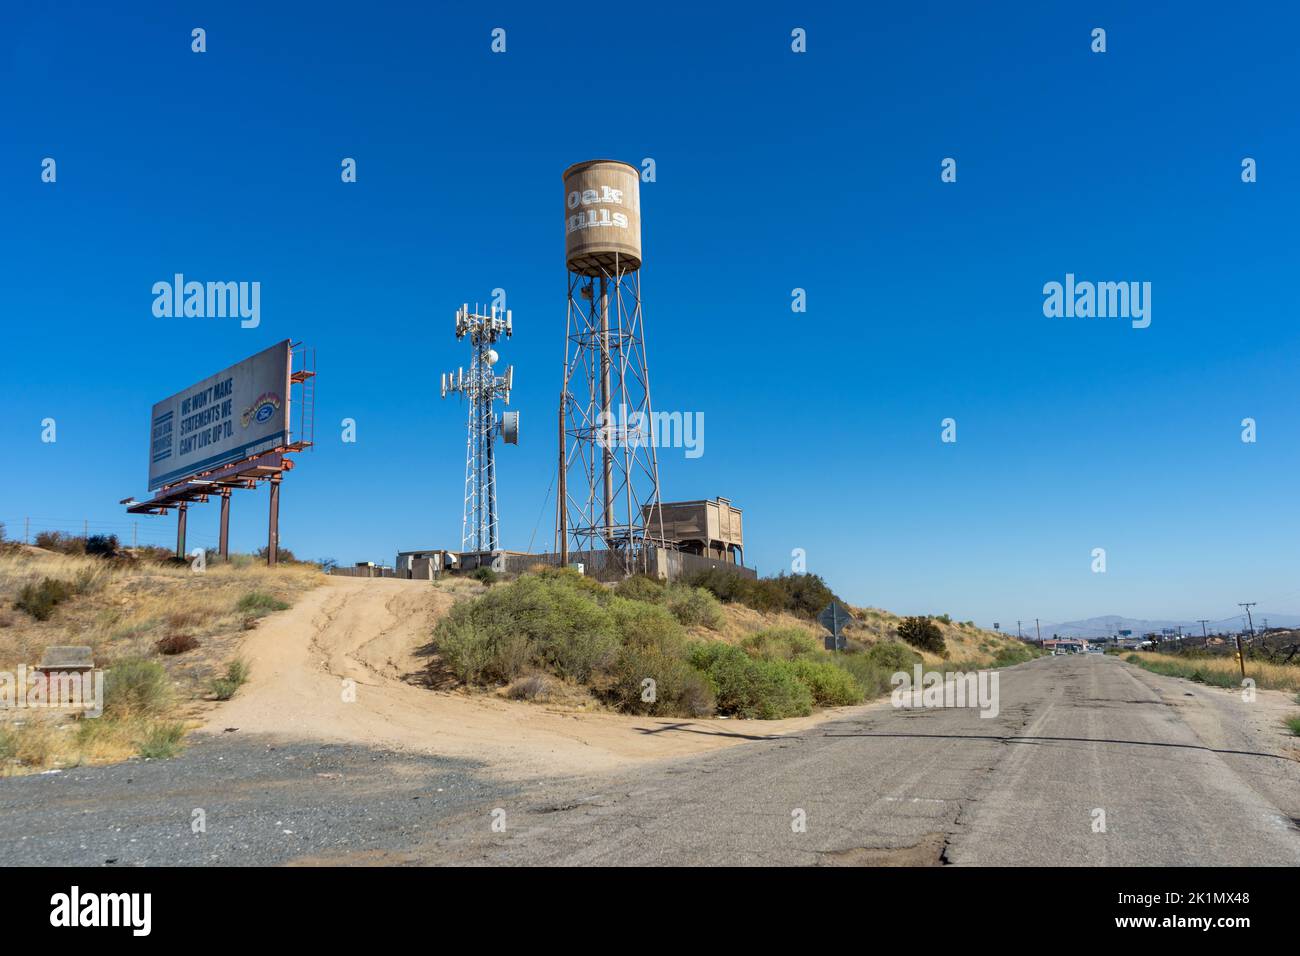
<point>173,631</point>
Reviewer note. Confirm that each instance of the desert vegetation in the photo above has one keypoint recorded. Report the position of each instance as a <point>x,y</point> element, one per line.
<point>165,636</point>
<point>1219,670</point>
<point>646,647</point>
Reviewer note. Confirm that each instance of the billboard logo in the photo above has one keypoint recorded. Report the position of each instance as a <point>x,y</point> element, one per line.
<point>261,410</point>
<point>210,300</point>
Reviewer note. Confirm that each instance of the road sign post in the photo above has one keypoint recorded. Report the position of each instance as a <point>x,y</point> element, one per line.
<point>834,618</point>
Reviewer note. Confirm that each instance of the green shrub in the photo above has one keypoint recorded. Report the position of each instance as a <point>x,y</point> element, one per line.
<point>1293,724</point>
<point>923,633</point>
<point>236,675</point>
<point>549,621</point>
<point>780,643</point>
<point>485,575</point>
<point>135,687</point>
<point>641,587</point>
<point>893,656</point>
<point>1010,654</point>
<point>39,600</point>
<point>677,691</point>
<point>873,678</point>
<point>161,739</point>
<point>830,686</point>
<point>746,687</point>
<point>258,604</point>
<point>802,594</point>
<point>694,607</point>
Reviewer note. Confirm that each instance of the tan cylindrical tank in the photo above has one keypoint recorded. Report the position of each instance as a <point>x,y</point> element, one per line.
<point>602,217</point>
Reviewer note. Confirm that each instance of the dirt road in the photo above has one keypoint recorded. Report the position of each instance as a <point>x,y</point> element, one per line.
<point>374,633</point>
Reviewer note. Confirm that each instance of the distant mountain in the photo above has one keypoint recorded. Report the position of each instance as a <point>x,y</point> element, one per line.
<point>1109,624</point>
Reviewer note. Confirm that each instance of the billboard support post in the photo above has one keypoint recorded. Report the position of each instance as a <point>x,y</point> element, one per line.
<point>181,511</point>
<point>273,524</point>
<point>223,546</point>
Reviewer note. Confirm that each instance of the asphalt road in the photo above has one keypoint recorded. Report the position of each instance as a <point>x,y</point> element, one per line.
<point>1183,774</point>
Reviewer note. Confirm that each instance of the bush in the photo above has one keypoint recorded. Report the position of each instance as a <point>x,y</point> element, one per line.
<point>486,575</point>
<point>532,687</point>
<point>60,542</point>
<point>281,554</point>
<point>258,604</point>
<point>830,686</point>
<point>39,600</point>
<point>1012,654</point>
<point>802,594</point>
<point>544,621</point>
<point>645,625</point>
<point>161,739</point>
<point>677,691</point>
<point>870,676</point>
<point>923,633</point>
<point>1293,724</point>
<point>236,675</point>
<point>893,656</point>
<point>745,687</point>
<point>641,587</point>
<point>136,687</point>
<point>694,607</point>
<point>102,545</point>
<point>780,643</point>
<point>176,644</point>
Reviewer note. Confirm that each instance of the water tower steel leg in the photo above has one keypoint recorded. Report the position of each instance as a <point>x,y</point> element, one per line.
<point>561,505</point>
<point>181,510</point>
<point>607,455</point>
<point>223,546</point>
<point>273,524</point>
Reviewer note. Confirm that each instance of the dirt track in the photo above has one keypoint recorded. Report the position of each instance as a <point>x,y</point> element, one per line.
<point>371,632</point>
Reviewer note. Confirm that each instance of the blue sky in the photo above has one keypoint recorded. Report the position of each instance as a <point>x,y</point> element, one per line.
<point>822,171</point>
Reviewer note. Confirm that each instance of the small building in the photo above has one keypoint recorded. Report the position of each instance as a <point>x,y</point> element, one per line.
<point>711,529</point>
<point>424,565</point>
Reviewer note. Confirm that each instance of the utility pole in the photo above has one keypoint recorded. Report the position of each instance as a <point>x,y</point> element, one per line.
<point>1018,634</point>
<point>1038,630</point>
<point>1205,638</point>
<point>1241,656</point>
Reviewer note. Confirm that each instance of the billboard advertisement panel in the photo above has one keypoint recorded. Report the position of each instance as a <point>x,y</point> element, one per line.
<point>237,413</point>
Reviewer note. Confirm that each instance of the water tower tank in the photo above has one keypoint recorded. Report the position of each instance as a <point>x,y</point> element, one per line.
<point>602,217</point>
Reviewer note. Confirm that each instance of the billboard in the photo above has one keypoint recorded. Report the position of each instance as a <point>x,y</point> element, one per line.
<point>235,414</point>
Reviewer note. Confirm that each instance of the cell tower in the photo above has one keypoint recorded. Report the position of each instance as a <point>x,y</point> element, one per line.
<point>479,530</point>
<point>608,467</point>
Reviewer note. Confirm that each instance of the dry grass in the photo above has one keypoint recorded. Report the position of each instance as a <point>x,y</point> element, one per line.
<point>968,644</point>
<point>122,612</point>
<point>1224,671</point>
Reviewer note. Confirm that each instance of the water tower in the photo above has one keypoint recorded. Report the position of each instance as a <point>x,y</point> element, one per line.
<point>479,528</point>
<point>608,466</point>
